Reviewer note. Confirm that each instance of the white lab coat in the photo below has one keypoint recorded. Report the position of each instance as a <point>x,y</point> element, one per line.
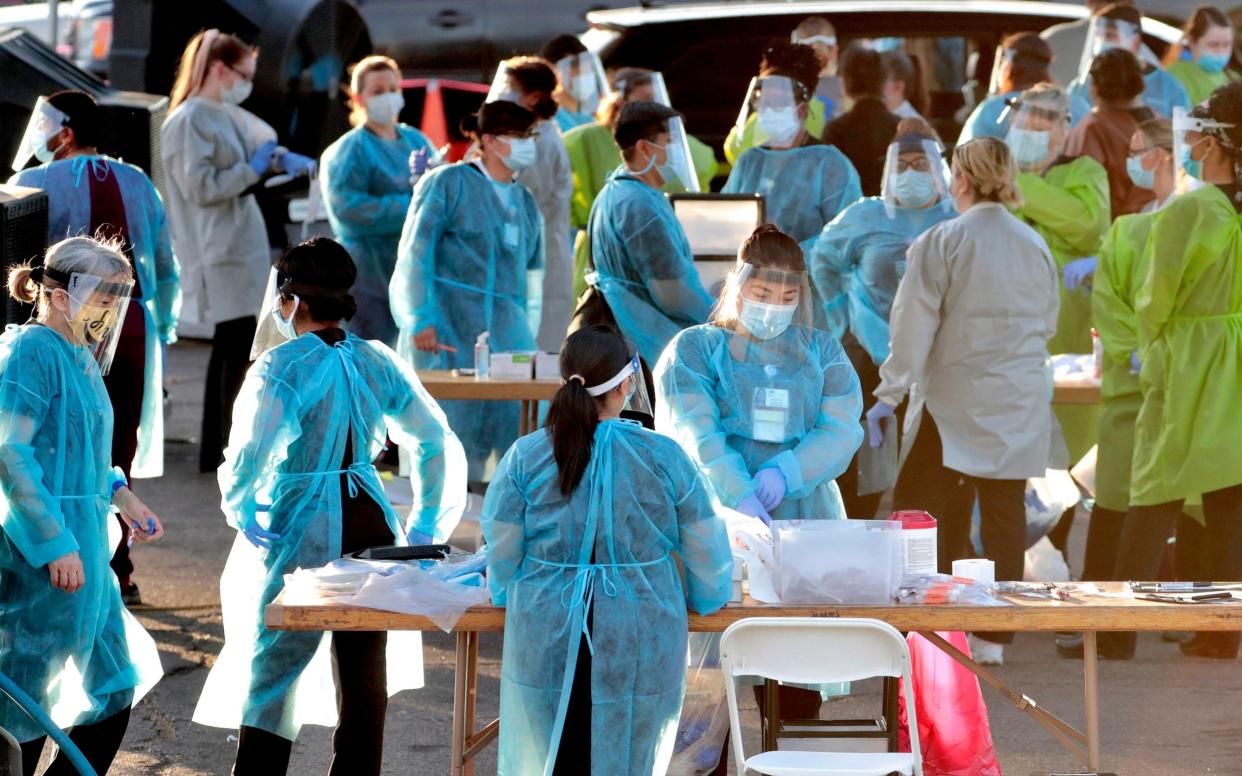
<point>217,234</point>
<point>969,328</point>
<point>550,179</point>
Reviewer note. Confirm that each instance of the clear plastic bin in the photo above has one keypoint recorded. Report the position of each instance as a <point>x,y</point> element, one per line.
<point>837,561</point>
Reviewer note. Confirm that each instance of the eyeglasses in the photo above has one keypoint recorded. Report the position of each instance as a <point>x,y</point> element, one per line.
<point>922,164</point>
<point>240,74</point>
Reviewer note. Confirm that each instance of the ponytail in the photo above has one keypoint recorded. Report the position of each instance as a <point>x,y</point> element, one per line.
<point>22,287</point>
<point>590,356</point>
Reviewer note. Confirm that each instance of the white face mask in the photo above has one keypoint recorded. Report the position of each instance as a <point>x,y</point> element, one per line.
<point>384,108</point>
<point>521,153</point>
<point>285,325</point>
<point>238,92</point>
<point>766,321</point>
<point>780,124</point>
<point>583,87</point>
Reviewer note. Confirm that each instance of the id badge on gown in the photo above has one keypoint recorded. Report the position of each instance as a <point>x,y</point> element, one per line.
<point>769,412</point>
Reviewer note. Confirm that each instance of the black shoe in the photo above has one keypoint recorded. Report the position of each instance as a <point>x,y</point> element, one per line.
<point>1220,646</point>
<point>130,595</point>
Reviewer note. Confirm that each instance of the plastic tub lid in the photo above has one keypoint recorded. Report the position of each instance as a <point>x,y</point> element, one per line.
<point>913,519</point>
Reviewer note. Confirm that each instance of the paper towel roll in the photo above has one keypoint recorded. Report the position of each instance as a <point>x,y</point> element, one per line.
<point>978,569</point>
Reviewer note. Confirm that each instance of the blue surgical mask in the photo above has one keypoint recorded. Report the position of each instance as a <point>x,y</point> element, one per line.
<point>1214,63</point>
<point>384,108</point>
<point>285,325</point>
<point>238,92</point>
<point>521,153</point>
<point>766,321</point>
<point>1030,147</point>
<point>914,188</point>
<point>669,170</point>
<point>1193,167</point>
<point>1144,179</point>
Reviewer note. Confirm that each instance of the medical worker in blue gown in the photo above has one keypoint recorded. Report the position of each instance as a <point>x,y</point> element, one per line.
<point>367,177</point>
<point>600,533</point>
<point>859,259</point>
<point>95,195</point>
<point>805,183</point>
<point>299,486</point>
<point>765,404</point>
<point>1026,58</point>
<point>470,238</point>
<point>641,264</point>
<point>65,637</point>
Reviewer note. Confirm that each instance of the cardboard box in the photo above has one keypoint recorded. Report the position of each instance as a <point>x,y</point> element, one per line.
<point>547,366</point>
<point>518,365</point>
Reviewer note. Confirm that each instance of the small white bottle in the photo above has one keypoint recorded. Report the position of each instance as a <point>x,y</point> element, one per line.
<point>482,356</point>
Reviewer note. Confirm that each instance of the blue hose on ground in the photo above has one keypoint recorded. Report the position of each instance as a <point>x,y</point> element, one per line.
<point>28,705</point>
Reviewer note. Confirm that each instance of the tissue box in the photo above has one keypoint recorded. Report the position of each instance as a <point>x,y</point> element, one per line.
<point>547,366</point>
<point>518,365</point>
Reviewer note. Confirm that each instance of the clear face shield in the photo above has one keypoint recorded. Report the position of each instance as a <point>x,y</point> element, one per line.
<point>272,330</point>
<point>502,88</point>
<point>1190,134</point>
<point>679,159</point>
<point>1004,57</point>
<point>1104,34</point>
<point>638,402</point>
<point>45,123</point>
<point>1037,133</point>
<point>916,175</point>
<point>778,103</point>
<point>583,78</point>
<point>97,308</point>
<point>825,47</point>
<point>763,303</point>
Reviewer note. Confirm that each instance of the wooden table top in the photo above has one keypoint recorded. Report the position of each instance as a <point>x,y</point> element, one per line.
<point>1082,612</point>
<point>442,385</point>
<point>1075,391</point>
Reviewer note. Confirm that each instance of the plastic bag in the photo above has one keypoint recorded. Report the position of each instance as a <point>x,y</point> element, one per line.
<point>752,541</point>
<point>945,589</point>
<point>954,732</point>
<point>837,561</point>
<point>1045,563</point>
<point>704,724</point>
<point>1047,498</point>
<point>442,591</point>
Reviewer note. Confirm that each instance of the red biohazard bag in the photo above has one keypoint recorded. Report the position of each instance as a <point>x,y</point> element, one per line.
<point>954,732</point>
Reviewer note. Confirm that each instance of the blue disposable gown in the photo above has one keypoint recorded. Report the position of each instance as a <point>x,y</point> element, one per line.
<point>706,385</point>
<point>983,120</point>
<point>366,190</point>
<point>69,215</point>
<point>803,188</point>
<point>290,422</point>
<point>568,119</point>
<point>859,260</point>
<point>643,264</point>
<point>608,549</point>
<point>80,653</point>
<point>461,267</point>
<point>1162,94</point>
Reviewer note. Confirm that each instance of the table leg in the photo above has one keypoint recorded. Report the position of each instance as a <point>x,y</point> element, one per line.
<point>457,762</point>
<point>1091,689</point>
<point>772,722</point>
<point>524,426</point>
<point>472,698</point>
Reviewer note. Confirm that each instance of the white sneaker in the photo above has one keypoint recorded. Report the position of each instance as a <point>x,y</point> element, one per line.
<point>986,653</point>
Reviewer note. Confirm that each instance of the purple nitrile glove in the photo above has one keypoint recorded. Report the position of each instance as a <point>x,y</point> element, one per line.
<point>770,486</point>
<point>754,508</point>
<point>879,411</point>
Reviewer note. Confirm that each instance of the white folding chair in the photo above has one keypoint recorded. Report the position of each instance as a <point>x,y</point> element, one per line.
<point>805,650</point>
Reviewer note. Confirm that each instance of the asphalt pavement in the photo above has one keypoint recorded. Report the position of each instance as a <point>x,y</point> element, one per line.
<point>1161,713</point>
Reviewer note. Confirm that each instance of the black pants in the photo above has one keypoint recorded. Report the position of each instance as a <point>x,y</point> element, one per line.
<point>99,743</point>
<point>924,483</point>
<point>126,384</point>
<point>573,755</point>
<point>226,369</point>
<point>359,666</point>
<point>1145,534</point>
<point>856,506</point>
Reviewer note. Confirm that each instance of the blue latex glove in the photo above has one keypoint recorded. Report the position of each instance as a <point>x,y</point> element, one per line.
<point>770,487</point>
<point>297,165</point>
<point>261,162</point>
<point>1077,272</point>
<point>418,162</point>
<point>753,507</point>
<point>1136,366</point>
<point>417,537</point>
<point>259,537</point>
<point>879,411</point>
